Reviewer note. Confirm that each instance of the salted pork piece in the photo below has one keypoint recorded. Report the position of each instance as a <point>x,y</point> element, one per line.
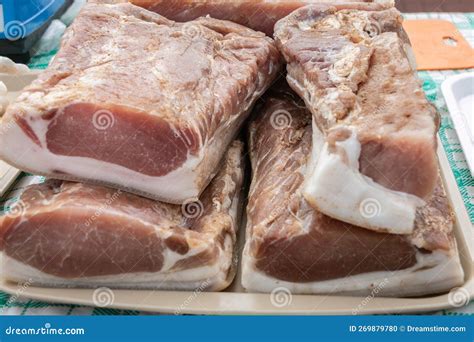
<point>260,15</point>
<point>139,102</point>
<point>290,244</point>
<point>61,233</point>
<point>374,132</point>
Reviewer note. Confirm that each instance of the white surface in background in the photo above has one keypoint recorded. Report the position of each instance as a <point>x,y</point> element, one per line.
<point>467,108</point>
<point>3,169</point>
<point>8,174</point>
<point>458,92</point>
<point>51,38</point>
<point>72,11</point>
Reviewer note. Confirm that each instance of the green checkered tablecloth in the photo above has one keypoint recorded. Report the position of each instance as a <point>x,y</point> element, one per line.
<point>432,80</point>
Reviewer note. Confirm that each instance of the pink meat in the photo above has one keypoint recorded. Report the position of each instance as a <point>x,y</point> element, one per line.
<point>152,147</point>
<point>136,101</point>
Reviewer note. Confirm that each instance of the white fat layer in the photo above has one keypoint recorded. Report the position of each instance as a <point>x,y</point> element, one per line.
<point>338,189</point>
<point>177,186</point>
<point>433,273</point>
<point>210,277</point>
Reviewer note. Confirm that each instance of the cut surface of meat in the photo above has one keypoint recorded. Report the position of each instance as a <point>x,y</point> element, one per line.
<point>138,102</point>
<point>373,127</point>
<point>260,15</point>
<point>75,234</point>
<point>290,244</point>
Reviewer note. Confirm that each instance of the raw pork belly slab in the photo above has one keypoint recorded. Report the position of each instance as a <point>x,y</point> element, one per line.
<point>290,244</point>
<point>374,131</point>
<point>72,234</point>
<point>138,102</point>
<point>260,15</point>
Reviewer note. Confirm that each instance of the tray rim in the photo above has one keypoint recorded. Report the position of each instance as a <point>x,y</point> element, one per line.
<point>8,177</point>
<point>241,303</point>
<point>447,89</point>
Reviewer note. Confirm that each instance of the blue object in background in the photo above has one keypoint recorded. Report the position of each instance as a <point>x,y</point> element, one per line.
<point>23,21</point>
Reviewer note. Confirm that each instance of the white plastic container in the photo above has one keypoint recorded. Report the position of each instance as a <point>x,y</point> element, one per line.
<point>458,92</point>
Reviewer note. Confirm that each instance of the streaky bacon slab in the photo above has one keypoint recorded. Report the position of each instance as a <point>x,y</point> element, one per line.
<point>260,15</point>
<point>290,244</point>
<point>138,102</point>
<point>374,131</point>
<point>76,234</point>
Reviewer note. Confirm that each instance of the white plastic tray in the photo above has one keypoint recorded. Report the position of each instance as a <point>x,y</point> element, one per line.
<point>459,94</point>
<point>235,300</point>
